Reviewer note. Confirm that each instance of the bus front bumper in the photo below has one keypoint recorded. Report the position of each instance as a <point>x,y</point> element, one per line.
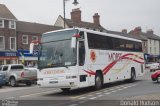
<point>67,83</point>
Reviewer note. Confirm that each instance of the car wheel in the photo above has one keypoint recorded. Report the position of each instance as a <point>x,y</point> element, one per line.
<point>13,82</point>
<point>98,81</point>
<point>158,79</point>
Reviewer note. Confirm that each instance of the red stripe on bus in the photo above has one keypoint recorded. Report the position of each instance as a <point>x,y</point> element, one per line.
<point>107,68</point>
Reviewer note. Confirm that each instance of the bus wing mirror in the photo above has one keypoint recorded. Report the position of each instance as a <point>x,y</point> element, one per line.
<point>31,48</point>
<point>32,44</point>
<point>73,42</point>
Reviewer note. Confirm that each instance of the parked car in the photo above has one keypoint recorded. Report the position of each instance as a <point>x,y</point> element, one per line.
<point>156,76</point>
<point>153,66</point>
<point>2,80</point>
<point>35,69</point>
<point>16,73</point>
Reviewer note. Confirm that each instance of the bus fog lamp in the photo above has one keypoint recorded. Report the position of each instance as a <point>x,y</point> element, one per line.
<point>69,77</point>
<point>71,83</point>
<point>40,79</point>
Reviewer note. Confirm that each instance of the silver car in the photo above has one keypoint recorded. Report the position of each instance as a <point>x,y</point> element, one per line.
<point>16,73</point>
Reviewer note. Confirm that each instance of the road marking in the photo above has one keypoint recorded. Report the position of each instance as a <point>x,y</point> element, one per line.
<point>61,104</point>
<point>37,93</point>
<point>8,89</point>
<point>73,105</point>
<point>112,89</point>
<point>115,90</point>
<point>120,87</point>
<point>82,101</point>
<point>107,93</point>
<point>93,98</point>
<point>82,97</point>
<point>99,95</point>
<point>9,98</point>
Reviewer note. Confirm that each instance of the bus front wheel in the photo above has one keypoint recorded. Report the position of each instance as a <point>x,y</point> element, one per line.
<point>98,81</point>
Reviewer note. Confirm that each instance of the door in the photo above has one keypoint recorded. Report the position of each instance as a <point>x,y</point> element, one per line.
<point>83,77</point>
<point>4,71</point>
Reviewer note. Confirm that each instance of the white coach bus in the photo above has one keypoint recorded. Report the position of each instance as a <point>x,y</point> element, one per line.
<point>77,58</point>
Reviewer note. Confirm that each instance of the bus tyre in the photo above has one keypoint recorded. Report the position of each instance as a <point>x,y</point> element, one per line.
<point>65,89</point>
<point>133,75</point>
<point>13,82</point>
<point>98,81</point>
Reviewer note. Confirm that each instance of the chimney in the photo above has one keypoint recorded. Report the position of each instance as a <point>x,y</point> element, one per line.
<point>76,15</point>
<point>96,19</point>
<point>124,30</point>
<point>150,31</point>
<point>137,30</point>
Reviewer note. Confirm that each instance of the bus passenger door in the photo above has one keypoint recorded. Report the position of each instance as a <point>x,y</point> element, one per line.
<point>83,78</point>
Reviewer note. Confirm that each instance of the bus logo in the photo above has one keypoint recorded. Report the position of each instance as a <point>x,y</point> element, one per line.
<point>93,56</point>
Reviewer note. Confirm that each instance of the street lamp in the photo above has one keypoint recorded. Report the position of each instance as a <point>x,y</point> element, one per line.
<point>75,3</point>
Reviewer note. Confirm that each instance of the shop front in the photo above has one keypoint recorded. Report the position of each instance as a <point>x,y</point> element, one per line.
<point>8,57</point>
<point>28,59</point>
<point>152,58</point>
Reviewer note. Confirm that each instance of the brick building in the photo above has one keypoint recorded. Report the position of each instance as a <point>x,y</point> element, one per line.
<point>26,33</point>
<point>16,36</point>
<point>151,45</point>
<point>76,21</point>
<point>8,48</point>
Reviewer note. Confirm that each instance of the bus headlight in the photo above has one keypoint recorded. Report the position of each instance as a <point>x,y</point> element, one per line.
<point>69,77</point>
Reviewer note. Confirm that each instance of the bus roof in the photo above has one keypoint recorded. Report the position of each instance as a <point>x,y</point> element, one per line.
<point>97,32</point>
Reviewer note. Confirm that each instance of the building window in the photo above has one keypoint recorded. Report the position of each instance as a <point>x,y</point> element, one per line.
<point>155,50</point>
<point>25,39</point>
<point>145,44</point>
<point>2,42</point>
<point>12,43</point>
<point>1,23</point>
<point>12,24</point>
<point>34,38</point>
<point>150,42</point>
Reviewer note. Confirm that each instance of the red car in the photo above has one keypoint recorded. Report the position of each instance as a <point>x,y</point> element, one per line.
<point>156,76</point>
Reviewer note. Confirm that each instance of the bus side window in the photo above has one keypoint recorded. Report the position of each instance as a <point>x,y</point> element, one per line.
<point>81,53</point>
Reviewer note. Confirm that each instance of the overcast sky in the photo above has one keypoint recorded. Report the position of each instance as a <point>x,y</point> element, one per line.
<point>114,14</point>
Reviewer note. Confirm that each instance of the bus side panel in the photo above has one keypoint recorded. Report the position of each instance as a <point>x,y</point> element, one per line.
<point>115,65</point>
